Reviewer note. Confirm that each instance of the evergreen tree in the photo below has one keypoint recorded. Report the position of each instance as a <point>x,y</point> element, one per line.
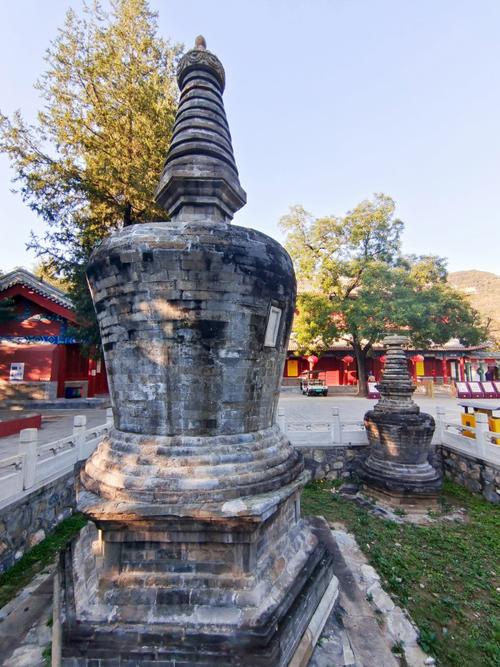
<point>91,162</point>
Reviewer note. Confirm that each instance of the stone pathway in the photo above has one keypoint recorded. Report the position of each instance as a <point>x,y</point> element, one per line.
<point>353,408</point>
<point>24,623</point>
<point>359,632</point>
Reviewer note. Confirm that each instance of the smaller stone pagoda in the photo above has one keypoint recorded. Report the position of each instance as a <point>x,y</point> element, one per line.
<point>398,469</point>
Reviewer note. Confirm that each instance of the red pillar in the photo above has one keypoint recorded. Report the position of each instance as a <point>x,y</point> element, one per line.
<point>91,377</point>
<point>61,370</point>
<point>445,370</point>
<point>462,369</point>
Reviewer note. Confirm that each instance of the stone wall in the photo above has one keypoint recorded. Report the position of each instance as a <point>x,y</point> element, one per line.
<point>333,462</point>
<point>26,522</point>
<point>475,474</point>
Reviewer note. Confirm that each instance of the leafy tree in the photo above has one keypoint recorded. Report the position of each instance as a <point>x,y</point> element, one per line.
<point>315,328</point>
<point>48,273</point>
<point>92,160</point>
<point>357,286</point>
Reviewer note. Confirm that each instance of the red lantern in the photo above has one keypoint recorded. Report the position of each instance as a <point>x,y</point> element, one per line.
<point>383,359</point>
<point>347,359</point>
<point>416,358</point>
<point>312,359</point>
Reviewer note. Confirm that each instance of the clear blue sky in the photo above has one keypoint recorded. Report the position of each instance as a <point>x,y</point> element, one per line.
<point>328,101</point>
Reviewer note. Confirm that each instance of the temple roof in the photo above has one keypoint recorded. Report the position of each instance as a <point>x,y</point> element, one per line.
<point>21,276</point>
<point>200,175</point>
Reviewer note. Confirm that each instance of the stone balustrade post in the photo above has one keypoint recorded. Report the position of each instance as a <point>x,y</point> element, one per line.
<point>336,427</point>
<point>79,428</point>
<point>109,415</point>
<point>28,443</point>
<point>440,424</point>
<point>282,419</point>
<point>482,428</point>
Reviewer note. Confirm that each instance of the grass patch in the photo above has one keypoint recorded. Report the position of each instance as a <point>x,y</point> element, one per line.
<point>34,560</point>
<point>446,574</point>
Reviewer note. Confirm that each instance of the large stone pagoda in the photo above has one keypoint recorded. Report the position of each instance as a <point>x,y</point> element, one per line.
<point>196,553</point>
<point>398,469</point>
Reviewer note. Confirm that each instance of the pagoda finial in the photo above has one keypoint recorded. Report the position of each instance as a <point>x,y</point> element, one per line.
<point>200,178</point>
<point>200,42</point>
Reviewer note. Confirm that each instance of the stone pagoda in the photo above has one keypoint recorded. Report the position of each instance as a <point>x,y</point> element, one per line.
<point>196,552</point>
<point>398,469</point>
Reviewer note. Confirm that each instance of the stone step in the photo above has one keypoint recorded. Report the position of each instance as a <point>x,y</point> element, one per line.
<point>166,596</point>
<point>130,565</point>
<point>154,578</point>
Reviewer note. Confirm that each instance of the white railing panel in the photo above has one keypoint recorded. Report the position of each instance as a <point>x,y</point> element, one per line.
<point>491,451</point>
<point>354,437</point>
<point>11,476</point>
<point>51,450</point>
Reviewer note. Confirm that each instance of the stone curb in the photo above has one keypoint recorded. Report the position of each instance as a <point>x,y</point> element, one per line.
<point>399,627</point>
<point>27,591</point>
<point>23,630</point>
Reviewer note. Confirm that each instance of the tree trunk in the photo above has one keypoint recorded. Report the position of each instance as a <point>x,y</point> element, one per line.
<point>127,215</point>
<point>360,354</point>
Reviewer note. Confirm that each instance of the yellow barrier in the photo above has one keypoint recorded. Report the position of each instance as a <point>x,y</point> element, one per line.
<point>494,424</point>
<point>468,420</point>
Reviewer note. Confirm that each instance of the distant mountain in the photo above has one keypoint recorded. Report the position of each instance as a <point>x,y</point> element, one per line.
<point>483,291</point>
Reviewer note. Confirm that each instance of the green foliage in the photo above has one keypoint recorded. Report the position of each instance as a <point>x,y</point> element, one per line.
<point>7,309</point>
<point>47,656</point>
<point>445,574</point>
<point>46,271</point>
<point>357,286</point>
<point>38,557</point>
<point>314,327</point>
<point>91,162</point>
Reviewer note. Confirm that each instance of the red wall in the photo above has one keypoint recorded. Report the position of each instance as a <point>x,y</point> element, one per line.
<point>38,360</point>
<point>332,369</point>
<point>36,315</point>
<point>337,373</point>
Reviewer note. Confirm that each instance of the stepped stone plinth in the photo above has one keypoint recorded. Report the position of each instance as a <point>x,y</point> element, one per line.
<point>196,553</point>
<point>398,469</point>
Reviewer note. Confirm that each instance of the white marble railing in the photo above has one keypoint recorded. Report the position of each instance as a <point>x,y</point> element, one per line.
<point>322,433</point>
<point>34,464</point>
<point>482,445</point>
<point>337,433</point>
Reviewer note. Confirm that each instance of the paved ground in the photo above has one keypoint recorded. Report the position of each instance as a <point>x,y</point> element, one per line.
<point>56,424</point>
<point>351,407</point>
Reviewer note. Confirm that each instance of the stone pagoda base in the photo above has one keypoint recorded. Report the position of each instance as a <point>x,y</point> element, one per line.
<point>244,582</point>
<point>404,500</point>
<point>398,471</point>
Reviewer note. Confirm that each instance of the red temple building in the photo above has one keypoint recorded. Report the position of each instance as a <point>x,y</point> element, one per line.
<point>39,358</point>
<point>442,365</point>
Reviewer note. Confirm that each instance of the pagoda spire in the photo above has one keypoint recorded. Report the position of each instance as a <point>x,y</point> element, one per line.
<point>200,178</point>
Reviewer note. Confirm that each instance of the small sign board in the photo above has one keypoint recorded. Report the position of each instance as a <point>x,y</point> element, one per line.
<point>273,324</point>
<point>16,371</point>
